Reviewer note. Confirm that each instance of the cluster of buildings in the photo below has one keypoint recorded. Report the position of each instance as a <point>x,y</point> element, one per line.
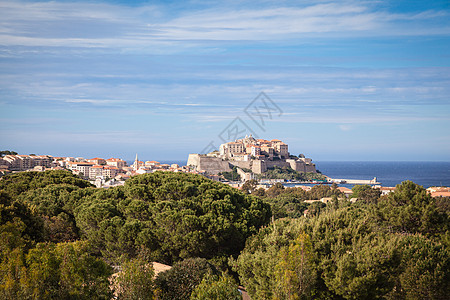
<point>439,191</point>
<point>139,167</point>
<point>24,162</point>
<point>114,171</point>
<point>102,172</point>
<point>250,148</point>
<point>256,155</point>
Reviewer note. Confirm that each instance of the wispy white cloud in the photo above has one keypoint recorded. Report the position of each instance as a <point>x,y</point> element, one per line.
<point>345,127</point>
<point>103,66</point>
<point>83,24</point>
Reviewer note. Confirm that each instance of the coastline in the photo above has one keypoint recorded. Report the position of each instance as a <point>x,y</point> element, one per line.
<point>388,173</point>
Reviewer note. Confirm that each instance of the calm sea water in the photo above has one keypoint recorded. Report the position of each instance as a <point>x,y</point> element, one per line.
<point>387,173</point>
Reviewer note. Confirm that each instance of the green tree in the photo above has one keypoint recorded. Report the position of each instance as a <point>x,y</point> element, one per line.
<point>173,215</point>
<point>425,269</point>
<point>411,209</point>
<point>7,152</point>
<point>366,193</point>
<point>216,287</point>
<point>257,263</point>
<point>15,211</point>
<point>249,186</point>
<point>294,272</point>
<point>275,190</point>
<point>180,281</point>
<point>66,270</point>
<point>233,175</point>
<point>135,280</point>
<point>13,270</point>
<point>82,274</point>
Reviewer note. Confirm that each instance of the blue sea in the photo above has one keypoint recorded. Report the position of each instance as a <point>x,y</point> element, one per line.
<point>388,173</point>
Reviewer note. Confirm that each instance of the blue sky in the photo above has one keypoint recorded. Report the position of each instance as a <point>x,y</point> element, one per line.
<point>355,80</point>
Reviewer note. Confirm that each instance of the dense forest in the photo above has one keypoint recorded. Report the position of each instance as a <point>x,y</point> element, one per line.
<point>61,238</point>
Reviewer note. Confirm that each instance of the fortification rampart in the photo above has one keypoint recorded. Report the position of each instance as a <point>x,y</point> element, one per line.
<point>215,165</point>
<point>212,165</point>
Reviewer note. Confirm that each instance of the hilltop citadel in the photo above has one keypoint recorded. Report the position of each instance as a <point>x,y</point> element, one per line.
<point>257,155</point>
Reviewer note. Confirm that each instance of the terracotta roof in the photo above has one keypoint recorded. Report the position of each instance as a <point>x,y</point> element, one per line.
<point>440,194</point>
<point>387,188</point>
<point>114,159</point>
<point>438,189</point>
<point>80,163</point>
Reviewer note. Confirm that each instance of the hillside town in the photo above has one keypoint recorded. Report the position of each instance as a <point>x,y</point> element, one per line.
<point>114,171</point>
<point>100,171</point>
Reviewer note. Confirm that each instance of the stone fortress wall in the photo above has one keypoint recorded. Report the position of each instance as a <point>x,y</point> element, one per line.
<point>211,165</point>
<point>215,165</point>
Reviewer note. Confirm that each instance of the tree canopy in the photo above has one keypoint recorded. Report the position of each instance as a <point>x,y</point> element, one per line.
<point>392,248</point>
<point>62,238</point>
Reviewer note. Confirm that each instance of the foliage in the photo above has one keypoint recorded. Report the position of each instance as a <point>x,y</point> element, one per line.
<point>56,232</point>
<point>53,196</point>
<point>411,209</point>
<point>173,215</point>
<point>7,152</point>
<point>257,263</point>
<point>14,211</point>
<point>180,281</point>
<point>391,248</point>
<point>249,186</point>
<point>216,287</point>
<point>366,193</point>
<point>232,175</point>
<point>290,202</point>
<point>288,173</point>
<point>54,271</point>
<point>18,183</point>
<point>294,272</point>
<point>135,280</point>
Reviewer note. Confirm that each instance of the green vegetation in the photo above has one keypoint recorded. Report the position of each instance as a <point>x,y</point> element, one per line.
<point>216,287</point>
<point>7,152</point>
<point>60,239</point>
<point>173,216</point>
<point>180,281</point>
<point>135,280</point>
<point>50,218</point>
<point>366,193</point>
<point>394,248</point>
<point>290,174</point>
<point>231,176</point>
<point>290,202</point>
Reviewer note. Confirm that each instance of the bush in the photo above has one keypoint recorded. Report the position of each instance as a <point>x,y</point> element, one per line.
<point>135,280</point>
<point>180,281</point>
<point>218,288</point>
